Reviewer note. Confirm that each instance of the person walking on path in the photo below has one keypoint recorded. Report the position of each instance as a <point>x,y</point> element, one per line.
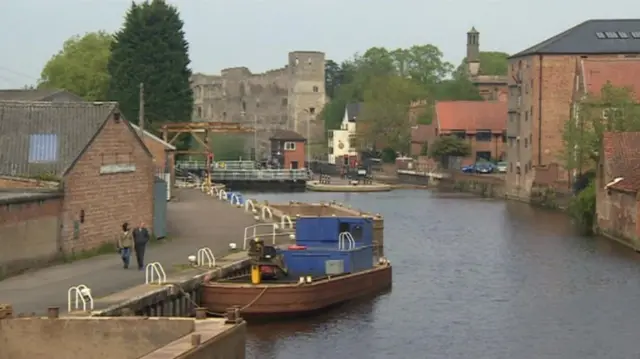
<point>125,242</point>
<point>140,240</point>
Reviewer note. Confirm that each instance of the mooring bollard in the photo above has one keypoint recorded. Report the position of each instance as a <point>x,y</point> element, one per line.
<point>232,316</point>
<point>53,312</point>
<point>196,339</point>
<point>201,313</point>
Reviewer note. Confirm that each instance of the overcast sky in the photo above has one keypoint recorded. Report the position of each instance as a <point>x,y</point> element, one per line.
<point>259,33</point>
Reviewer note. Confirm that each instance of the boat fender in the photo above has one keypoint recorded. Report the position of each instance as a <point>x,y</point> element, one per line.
<point>296,247</point>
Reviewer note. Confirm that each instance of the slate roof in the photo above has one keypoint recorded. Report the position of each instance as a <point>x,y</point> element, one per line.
<point>471,116</point>
<point>622,154</point>
<point>353,110</point>
<point>600,36</point>
<point>618,72</point>
<point>32,95</point>
<point>287,135</point>
<point>37,137</point>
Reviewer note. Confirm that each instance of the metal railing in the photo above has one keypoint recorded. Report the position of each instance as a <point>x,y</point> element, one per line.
<point>82,295</point>
<point>154,270</point>
<point>205,257</point>
<point>261,175</point>
<point>346,241</point>
<point>200,165</point>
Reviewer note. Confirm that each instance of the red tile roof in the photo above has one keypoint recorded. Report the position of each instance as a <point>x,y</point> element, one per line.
<point>622,154</point>
<point>472,115</point>
<point>619,72</point>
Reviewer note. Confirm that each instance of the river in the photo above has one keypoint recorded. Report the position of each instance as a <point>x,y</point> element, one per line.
<point>474,278</point>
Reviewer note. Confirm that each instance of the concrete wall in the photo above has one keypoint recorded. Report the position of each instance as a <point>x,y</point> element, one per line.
<point>29,234</point>
<point>88,338</point>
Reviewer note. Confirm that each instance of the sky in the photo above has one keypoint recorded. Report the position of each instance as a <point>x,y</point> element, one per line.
<point>258,34</point>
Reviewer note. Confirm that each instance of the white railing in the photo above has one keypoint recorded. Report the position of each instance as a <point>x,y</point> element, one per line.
<point>249,203</point>
<point>222,194</point>
<point>286,222</point>
<point>154,270</point>
<point>82,295</point>
<point>235,199</point>
<point>266,210</point>
<point>346,241</point>
<point>203,254</point>
<point>251,232</point>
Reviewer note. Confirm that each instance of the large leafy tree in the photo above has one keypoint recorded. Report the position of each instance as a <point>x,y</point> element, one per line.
<point>81,66</point>
<point>151,49</point>
<point>492,63</point>
<point>449,146</point>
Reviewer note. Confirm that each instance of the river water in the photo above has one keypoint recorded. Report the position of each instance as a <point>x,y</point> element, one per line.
<point>474,278</point>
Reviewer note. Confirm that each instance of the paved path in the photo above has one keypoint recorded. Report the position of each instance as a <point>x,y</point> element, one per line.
<point>194,220</point>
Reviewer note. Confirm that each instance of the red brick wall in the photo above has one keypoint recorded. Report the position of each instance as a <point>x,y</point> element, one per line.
<point>161,156</point>
<point>108,200</point>
<point>295,155</point>
<point>30,234</point>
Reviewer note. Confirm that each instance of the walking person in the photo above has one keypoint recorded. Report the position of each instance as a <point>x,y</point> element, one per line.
<point>140,240</point>
<point>125,242</point>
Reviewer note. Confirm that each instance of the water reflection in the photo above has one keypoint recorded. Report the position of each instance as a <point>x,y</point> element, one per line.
<point>474,278</point>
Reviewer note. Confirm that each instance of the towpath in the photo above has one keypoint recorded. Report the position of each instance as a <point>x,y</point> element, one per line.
<point>195,220</point>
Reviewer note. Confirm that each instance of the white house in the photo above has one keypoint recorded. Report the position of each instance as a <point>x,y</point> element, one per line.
<point>343,141</point>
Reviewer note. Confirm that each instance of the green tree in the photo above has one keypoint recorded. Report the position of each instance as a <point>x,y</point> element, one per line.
<point>613,109</point>
<point>332,77</point>
<point>492,63</point>
<point>424,149</point>
<point>448,146</point>
<point>384,116</point>
<point>151,49</point>
<point>81,66</point>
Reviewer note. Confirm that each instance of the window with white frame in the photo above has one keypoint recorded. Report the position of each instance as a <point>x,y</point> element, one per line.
<point>612,113</point>
<point>289,146</point>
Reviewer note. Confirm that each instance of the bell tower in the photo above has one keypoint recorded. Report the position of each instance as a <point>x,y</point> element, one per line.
<point>473,52</point>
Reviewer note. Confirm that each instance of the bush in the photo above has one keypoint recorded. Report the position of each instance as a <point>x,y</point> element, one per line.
<point>582,208</point>
<point>388,155</point>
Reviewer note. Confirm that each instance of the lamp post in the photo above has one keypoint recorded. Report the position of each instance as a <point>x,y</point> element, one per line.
<point>308,135</point>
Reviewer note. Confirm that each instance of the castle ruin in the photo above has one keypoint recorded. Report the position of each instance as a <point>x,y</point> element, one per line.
<point>287,98</point>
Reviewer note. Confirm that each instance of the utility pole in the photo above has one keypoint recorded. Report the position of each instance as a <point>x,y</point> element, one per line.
<point>141,111</point>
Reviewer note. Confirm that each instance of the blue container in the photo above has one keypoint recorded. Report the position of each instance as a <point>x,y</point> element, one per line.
<point>313,261</point>
<point>325,231</point>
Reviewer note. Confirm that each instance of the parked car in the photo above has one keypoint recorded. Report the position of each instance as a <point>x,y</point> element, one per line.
<point>479,167</point>
<point>501,167</point>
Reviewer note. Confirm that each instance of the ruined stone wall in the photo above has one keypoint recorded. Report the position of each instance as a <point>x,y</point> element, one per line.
<point>284,98</point>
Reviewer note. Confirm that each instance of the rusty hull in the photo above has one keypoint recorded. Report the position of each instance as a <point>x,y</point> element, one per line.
<point>295,299</point>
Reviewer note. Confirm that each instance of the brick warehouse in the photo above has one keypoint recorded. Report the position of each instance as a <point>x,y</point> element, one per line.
<point>104,170</point>
<point>541,89</point>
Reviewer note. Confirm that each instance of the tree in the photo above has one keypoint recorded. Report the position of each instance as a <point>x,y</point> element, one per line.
<point>81,66</point>
<point>492,63</point>
<point>151,49</point>
<point>332,77</point>
<point>384,118</point>
<point>613,109</point>
<point>449,146</point>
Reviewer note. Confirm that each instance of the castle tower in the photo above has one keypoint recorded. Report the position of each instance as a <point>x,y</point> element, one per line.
<point>307,94</point>
<point>473,52</point>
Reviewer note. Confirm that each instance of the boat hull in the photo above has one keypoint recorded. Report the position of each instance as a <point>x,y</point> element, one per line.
<point>294,299</point>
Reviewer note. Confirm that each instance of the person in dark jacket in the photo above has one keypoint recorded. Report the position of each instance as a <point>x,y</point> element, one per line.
<point>125,242</point>
<point>140,240</point>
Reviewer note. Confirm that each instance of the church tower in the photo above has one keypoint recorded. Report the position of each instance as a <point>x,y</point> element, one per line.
<point>473,52</point>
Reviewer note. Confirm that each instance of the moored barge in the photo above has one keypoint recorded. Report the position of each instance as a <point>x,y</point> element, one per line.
<point>332,262</point>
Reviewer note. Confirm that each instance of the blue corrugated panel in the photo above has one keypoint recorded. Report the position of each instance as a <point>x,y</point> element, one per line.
<point>325,231</point>
<point>43,148</point>
<point>312,261</point>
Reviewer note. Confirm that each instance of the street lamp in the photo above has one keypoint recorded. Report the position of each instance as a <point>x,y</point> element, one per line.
<point>308,135</point>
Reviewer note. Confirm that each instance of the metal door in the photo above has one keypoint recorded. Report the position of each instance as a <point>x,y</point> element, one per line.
<point>160,208</point>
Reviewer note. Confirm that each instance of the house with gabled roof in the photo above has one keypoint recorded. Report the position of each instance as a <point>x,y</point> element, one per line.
<point>617,188</point>
<point>48,95</point>
<point>342,142</point>
<point>541,88</point>
<point>104,170</point>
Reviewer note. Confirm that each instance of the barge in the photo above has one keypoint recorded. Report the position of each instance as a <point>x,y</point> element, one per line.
<point>332,261</point>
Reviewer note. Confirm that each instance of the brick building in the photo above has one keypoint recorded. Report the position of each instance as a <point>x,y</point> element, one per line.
<point>162,151</point>
<point>617,185</point>
<point>105,172</point>
<point>289,148</point>
<point>491,88</point>
<point>481,123</point>
<point>541,90</point>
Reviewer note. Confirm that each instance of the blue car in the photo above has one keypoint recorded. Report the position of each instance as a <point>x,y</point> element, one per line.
<point>479,167</point>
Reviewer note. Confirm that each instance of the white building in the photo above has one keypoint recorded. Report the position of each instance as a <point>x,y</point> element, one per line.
<point>342,142</point>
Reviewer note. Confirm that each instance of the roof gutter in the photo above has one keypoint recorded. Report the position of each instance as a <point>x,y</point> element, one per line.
<point>540,110</point>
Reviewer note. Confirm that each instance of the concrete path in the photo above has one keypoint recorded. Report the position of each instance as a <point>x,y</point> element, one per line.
<point>194,220</point>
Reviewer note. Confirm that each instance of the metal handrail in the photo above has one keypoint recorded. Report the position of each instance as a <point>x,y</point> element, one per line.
<point>255,234</point>
<point>346,241</point>
<point>205,253</point>
<point>265,210</point>
<point>152,270</point>
<point>285,219</point>
<point>82,295</point>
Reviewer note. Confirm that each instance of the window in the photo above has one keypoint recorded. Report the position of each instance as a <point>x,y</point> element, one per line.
<point>290,146</point>
<point>483,136</point>
<point>510,141</point>
<point>312,110</point>
<point>315,88</point>
<point>244,106</point>
<point>611,35</point>
<point>600,35</point>
<point>526,115</point>
<point>285,102</point>
<point>531,112</point>
<point>623,35</point>
<point>199,112</point>
<point>635,34</point>
<point>504,136</point>
<point>526,142</point>
<point>510,166</point>
<point>43,148</point>
<point>530,138</point>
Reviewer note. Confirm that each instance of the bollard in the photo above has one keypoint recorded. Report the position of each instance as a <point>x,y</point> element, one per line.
<point>233,316</point>
<point>195,340</point>
<point>201,313</point>
<point>53,312</point>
